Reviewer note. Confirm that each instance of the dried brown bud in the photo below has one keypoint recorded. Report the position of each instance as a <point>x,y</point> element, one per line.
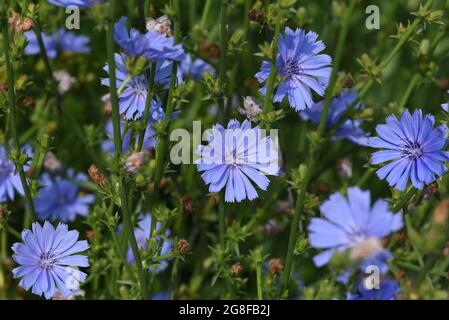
<point>3,87</point>
<point>2,214</point>
<point>207,50</point>
<point>275,266</point>
<point>164,183</point>
<point>134,162</point>
<point>152,153</point>
<point>433,188</point>
<point>19,24</point>
<point>236,269</point>
<point>255,15</point>
<point>96,176</point>
<point>90,235</point>
<point>443,84</point>
<point>183,246</point>
<point>349,81</point>
<point>29,102</point>
<point>27,24</point>
<point>187,204</point>
<point>150,187</point>
<point>107,106</point>
<point>441,212</point>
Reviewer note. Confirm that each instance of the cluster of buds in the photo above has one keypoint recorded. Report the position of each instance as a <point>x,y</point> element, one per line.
<point>19,24</point>
<point>275,266</point>
<point>96,176</point>
<point>134,162</point>
<point>161,25</point>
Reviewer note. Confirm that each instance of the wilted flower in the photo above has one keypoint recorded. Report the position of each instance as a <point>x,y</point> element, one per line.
<point>414,148</point>
<point>234,156</point>
<point>51,163</point>
<point>183,247</point>
<point>387,291</point>
<point>349,222</point>
<point>65,81</point>
<point>96,176</point>
<point>251,109</point>
<point>59,198</point>
<point>275,266</point>
<point>48,260</point>
<point>134,162</point>
<point>348,129</point>
<point>301,66</point>
<point>161,25</point>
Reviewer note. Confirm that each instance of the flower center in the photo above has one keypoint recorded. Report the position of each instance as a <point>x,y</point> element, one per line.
<point>413,150</point>
<point>47,260</point>
<point>292,68</point>
<point>139,86</point>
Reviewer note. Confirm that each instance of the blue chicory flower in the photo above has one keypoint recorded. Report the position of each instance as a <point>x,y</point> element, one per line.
<point>60,40</point>
<point>48,259</point>
<point>387,291</point>
<point>149,140</point>
<point>348,222</point>
<point>348,129</point>
<point>60,199</point>
<point>234,157</point>
<point>444,106</point>
<point>301,67</point>
<point>153,45</point>
<point>142,234</point>
<point>9,180</point>
<point>79,3</point>
<point>415,150</point>
<point>196,68</point>
<point>133,98</point>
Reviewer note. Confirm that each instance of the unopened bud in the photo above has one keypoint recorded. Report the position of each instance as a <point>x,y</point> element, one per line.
<point>236,269</point>
<point>134,162</point>
<point>183,247</point>
<point>349,81</point>
<point>96,176</point>
<point>255,15</point>
<point>365,249</point>
<point>275,266</point>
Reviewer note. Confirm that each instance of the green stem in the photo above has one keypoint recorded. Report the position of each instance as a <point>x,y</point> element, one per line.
<point>409,90</point>
<point>268,103</point>
<point>141,9</point>
<point>206,12</point>
<point>299,207</point>
<point>118,148</point>
<point>43,51</point>
<point>12,116</point>
<point>147,107</point>
<point>259,281</point>
<point>223,53</point>
<point>405,197</point>
<point>123,84</point>
<point>221,220</point>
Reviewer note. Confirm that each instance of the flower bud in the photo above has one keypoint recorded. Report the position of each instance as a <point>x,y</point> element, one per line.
<point>187,204</point>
